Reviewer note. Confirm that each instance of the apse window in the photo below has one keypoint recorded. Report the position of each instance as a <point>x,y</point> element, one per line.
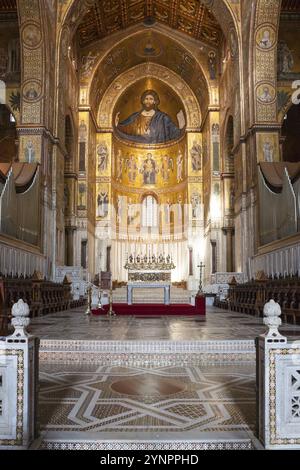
<point>150,212</point>
<point>12,118</point>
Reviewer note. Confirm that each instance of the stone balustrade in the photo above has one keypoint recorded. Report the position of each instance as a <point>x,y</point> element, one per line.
<point>278,385</point>
<point>19,368</point>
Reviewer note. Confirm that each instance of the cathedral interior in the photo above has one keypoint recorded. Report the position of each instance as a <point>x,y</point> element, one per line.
<point>150,202</point>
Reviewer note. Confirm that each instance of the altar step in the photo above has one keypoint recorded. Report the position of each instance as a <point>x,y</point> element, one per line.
<point>241,441</point>
<point>153,296</point>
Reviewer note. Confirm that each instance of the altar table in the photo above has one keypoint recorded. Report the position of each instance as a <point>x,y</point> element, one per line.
<point>145,285</point>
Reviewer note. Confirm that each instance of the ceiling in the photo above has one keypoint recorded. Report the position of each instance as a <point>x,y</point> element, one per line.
<point>105,17</point>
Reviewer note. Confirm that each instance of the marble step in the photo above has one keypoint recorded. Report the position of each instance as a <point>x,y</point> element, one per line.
<point>83,443</point>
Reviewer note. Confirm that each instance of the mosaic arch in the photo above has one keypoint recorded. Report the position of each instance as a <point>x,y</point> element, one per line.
<point>227,11</point>
<point>100,68</point>
<point>119,85</point>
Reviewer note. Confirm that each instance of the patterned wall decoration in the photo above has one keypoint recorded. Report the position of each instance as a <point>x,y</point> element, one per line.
<point>265,60</point>
<point>182,15</point>
<point>31,26</point>
<point>189,17</point>
<point>166,52</point>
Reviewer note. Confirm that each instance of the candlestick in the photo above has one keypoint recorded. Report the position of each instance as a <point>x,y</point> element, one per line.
<point>201,266</point>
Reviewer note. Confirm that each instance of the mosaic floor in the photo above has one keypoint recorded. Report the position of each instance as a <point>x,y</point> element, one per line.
<point>148,382</point>
<point>92,402</point>
<point>218,325</point>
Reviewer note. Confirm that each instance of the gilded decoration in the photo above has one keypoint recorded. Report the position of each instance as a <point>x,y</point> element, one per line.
<point>139,166</point>
<point>149,113</point>
<point>32,91</point>
<point>268,147</point>
<point>33,58</point>
<point>195,154</point>
<point>103,155</point>
<point>30,148</point>
<point>265,38</point>
<point>164,79</point>
<point>31,35</point>
<point>102,200</point>
<point>115,57</point>
<point>266,93</point>
<point>188,16</point>
<point>266,27</point>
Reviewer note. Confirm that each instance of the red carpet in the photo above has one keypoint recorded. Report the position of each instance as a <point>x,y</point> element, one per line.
<point>156,309</point>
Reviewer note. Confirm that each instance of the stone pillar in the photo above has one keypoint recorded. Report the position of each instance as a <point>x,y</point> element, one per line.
<point>83,253</point>
<point>191,261</point>
<point>108,261</point>
<point>213,256</point>
<point>229,233</point>
<point>19,360</point>
<point>69,231</point>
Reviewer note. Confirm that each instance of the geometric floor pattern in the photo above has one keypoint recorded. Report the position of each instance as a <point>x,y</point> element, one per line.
<point>108,401</point>
<point>217,325</point>
<point>160,402</point>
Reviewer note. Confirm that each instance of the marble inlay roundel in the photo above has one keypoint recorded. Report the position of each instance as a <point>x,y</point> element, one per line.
<point>148,385</point>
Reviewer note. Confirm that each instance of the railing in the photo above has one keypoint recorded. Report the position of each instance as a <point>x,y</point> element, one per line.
<point>18,384</point>
<point>278,384</point>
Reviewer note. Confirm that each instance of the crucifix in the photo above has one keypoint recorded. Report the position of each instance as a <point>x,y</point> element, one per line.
<point>201,266</point>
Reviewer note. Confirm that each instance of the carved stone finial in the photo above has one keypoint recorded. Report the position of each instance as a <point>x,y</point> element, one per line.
<point>20,311</point>
<point>272,313</point>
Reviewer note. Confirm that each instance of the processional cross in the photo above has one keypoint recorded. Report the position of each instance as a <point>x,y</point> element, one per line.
<point>201,266</point>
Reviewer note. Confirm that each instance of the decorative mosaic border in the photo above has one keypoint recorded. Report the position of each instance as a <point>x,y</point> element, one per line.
<point>20,397</point>
<point>225,346</point>
<point>147,354</point>
<point>145,360</point>
<point>144,445</point>
<point>274,440</point>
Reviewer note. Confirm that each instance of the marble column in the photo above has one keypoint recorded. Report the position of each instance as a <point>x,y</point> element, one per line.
<point>191,273</point>
<point>70,245</point>
<point>229,232</point>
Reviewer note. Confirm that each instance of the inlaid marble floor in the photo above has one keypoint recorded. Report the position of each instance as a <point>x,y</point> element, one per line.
<point>218,325</point>
<point>93,402</point>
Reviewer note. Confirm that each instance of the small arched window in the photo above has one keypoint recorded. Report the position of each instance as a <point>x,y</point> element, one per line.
<point>149,212</point>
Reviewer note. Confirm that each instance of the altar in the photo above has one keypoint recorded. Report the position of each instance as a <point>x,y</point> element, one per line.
<point>149,272</point>
<point>133,285</point>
